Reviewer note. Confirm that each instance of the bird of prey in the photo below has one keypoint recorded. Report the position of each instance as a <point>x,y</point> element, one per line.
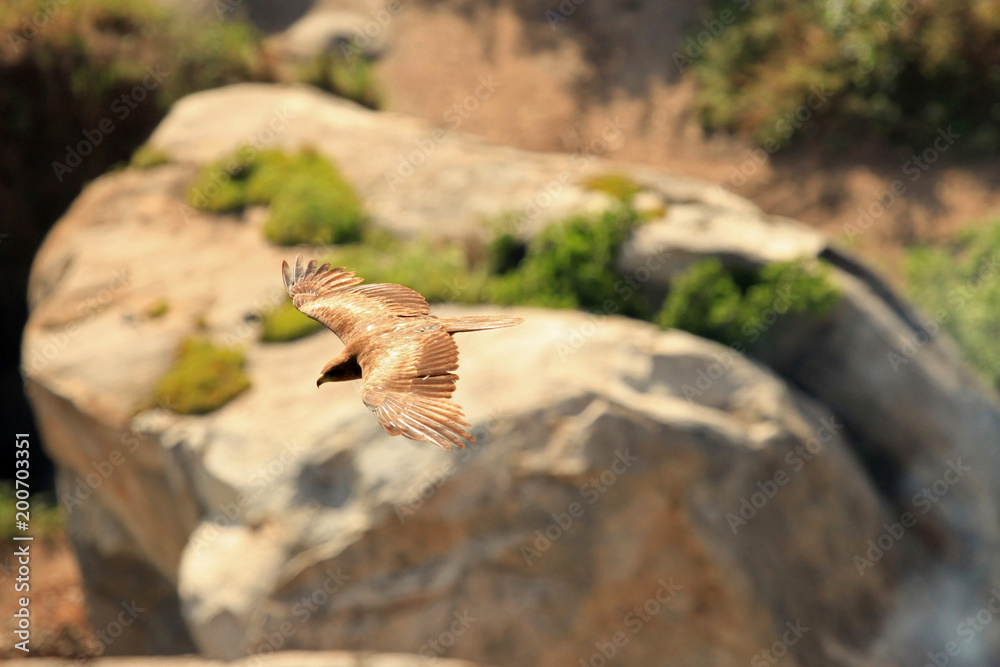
<point>403,355</point>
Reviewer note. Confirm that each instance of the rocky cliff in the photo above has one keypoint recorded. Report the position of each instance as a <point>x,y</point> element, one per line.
<point>636,496</point>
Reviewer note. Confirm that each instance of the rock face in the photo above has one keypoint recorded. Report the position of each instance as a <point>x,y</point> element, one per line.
<point>636,496</point>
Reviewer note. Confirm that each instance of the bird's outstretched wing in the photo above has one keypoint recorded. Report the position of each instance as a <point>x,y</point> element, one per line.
<point>408,386</point>
<point>334,298</point>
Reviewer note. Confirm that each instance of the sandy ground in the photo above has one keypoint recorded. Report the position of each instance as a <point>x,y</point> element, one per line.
<point>59,625</point>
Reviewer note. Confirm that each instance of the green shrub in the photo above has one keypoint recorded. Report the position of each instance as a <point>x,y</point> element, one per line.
<point>505,252</point>
<point>888,68</point>
<point>147,157</point>
<point>204,377</point>
<point>568,265</point>
<point>286,323</point>
<point>352,78</point>
<point>105,47</point>
<point>711,301</point>
<point>310,200</point>
<point>571,265</point>
<point>957,286</point>
<point>440,271</point>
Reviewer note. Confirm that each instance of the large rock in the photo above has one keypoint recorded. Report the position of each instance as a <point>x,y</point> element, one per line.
<point>607,506</point>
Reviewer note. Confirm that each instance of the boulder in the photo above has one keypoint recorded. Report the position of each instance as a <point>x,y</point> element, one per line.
<point>635,495</point>
<point>338,32</point>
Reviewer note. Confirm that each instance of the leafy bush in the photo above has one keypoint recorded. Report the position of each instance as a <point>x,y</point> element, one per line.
<point>568,265</point>
<point>204,377</point>
<point>571,265</point>
<point>310,200</point>
<point>505,252</point>
<point>286,323</point>
<point>711,301</point>
<point>105,47</point>
<point>440,271</point>
<point>352,78</point>
<point>957,286</point>
<point>891,68</point>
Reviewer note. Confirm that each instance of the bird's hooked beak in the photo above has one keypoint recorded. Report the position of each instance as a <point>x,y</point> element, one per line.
<point>322,379</point>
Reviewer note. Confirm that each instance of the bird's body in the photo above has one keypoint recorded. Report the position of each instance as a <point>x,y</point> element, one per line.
<point>404,356</point>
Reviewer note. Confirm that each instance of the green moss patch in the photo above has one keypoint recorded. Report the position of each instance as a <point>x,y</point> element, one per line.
<point>204,377</point>
<point>286,323</point>
<point>158,309</point>
<point>310,200</point>
<point>617,185</point>
<point>729,306</point>
<point>147,157</point>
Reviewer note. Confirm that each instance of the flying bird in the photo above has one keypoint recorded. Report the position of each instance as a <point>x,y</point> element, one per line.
<point>403,355</point>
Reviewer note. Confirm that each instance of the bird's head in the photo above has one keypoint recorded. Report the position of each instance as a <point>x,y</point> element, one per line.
<point>340,370</point>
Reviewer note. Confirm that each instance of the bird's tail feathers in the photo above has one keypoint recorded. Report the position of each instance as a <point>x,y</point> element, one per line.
<point>478,323</point>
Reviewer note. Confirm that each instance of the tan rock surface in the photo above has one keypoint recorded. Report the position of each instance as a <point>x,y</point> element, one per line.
<point>288,519</point>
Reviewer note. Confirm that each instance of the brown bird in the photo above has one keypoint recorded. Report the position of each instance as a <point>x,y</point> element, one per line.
<point>403,355</point>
